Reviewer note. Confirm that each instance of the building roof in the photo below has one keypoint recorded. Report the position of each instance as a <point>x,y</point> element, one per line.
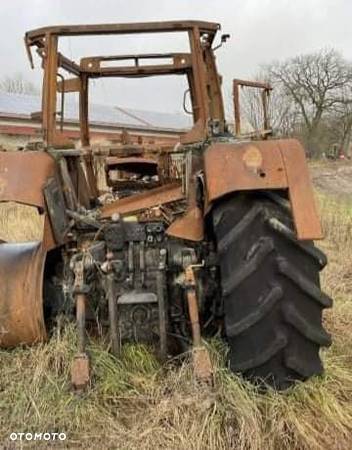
<point>25,104</point>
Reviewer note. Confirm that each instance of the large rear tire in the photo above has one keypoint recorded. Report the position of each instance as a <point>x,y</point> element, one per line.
<point>271,291</point>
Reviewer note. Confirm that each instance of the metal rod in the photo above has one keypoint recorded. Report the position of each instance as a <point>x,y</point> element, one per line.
<point>265,100</point>
<point>113,316</point>
<point>236,104</point>
<point>62,112</point>
<point>162,313</point>
<point>194,316</point>
<point>81,302</point>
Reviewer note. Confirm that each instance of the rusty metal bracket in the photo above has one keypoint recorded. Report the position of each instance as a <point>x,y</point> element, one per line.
<point>80,373</point>
<point>266,89</point>
<point>202,366</point>
<point>110,293</point>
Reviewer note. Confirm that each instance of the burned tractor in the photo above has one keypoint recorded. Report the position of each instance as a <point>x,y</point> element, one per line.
<point>210,236</point>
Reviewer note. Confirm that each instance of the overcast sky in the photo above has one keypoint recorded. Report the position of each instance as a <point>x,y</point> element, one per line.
<point>261,31</point>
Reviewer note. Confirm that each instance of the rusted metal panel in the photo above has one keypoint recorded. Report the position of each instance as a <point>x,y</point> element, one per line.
<point>265,165</point>
<point>122,28</point>
<point>69,85</point>
<point>190,226</point>
<point>49,241</point>
<point>56,209</point>
<point>23,176</point>
<point>116,161</point>
<point>154,197</point>
<point>21,300</point>
<point>301,192</point>
<point>94,66</point>
<point>247,166</point>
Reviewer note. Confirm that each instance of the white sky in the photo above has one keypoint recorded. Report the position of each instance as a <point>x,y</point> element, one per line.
<point>261,31</point>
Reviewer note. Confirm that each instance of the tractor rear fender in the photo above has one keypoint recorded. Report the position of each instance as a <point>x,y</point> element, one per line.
<point>264,165</point>
<point>21,293</point>
<point>23,179</point>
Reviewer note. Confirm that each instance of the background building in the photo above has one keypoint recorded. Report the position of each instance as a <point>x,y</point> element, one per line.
<point>20,122</point>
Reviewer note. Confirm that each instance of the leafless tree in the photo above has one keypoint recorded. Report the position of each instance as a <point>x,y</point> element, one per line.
<point>316,83</point>
<point>17,84</point>
<point>339,122</point>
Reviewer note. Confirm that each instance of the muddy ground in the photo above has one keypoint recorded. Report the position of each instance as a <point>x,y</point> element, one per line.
<point>333,178</point>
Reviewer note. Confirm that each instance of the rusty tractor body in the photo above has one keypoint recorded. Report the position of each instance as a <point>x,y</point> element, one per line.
<point>212,236</point>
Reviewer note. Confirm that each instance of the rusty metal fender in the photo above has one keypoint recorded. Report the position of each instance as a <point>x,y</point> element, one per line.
<point>21,298</point>
<point>265,165</point>
<point>23,177</point>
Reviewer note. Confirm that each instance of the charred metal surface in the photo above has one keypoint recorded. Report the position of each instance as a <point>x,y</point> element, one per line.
<point>198,65</point>
<point>190,226</point>
<point>144,166</point>
<point>56,208</point>
<point>162,307</point>
<point>21,294</point>
<point>23,176</point>
<point>154,197</point>
<point>110,292</point>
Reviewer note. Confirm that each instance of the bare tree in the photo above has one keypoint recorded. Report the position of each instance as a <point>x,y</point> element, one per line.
<point>339,122</point>
<point>17,84</point>
<point>315,83</point>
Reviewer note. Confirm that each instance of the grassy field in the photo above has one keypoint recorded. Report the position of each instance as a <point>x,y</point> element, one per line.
<point>135,403</point>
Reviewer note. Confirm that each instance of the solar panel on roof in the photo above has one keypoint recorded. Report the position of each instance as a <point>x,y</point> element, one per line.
<point>24,104</point>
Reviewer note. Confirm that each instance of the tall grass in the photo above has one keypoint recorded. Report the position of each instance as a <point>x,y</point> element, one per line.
<point>20,223</point>
<point>134,402</point>
<point>137,403</point>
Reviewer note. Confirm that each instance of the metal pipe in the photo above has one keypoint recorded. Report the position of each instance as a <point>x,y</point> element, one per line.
<point>236,104</point>
<point>62,112</point>
<point>81,302</point>
<point>194,316</point>
<point>162,313</point>
<point>113,316</point>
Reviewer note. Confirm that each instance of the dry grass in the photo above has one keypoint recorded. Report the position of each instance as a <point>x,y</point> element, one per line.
<point>28,223</point>
<point>135,403</point>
